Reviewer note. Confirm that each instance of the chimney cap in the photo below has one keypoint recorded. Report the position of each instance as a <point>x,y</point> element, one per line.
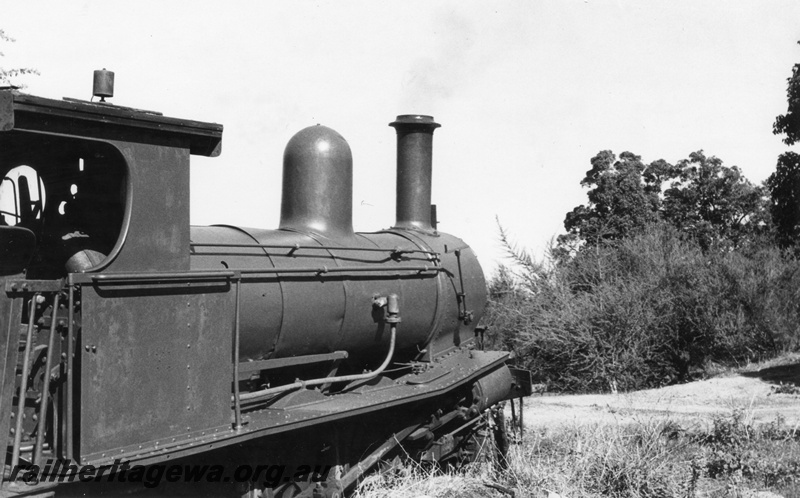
<point>415,121</point>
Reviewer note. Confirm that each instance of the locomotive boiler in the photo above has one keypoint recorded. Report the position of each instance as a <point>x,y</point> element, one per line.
<point>128,335</point>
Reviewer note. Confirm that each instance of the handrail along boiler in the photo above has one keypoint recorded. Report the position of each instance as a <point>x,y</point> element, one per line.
<point>127,334</point>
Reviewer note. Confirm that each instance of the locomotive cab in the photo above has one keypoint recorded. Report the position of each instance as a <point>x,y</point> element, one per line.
<point>70,194</point>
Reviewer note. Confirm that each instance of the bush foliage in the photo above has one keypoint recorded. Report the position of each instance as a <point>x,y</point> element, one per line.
<point>645,311</point>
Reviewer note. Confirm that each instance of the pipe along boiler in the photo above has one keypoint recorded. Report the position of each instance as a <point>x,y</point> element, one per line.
<point>130,336</point>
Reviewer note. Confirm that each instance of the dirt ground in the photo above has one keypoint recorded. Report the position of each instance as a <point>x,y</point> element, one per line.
<point>752,389</point>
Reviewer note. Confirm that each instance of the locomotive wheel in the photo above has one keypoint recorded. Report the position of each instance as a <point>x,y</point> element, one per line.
<point>489,443</point>
<point>327,489</point>
<point>288,490</point>
<point>478,447</point>
<point>500,432</point>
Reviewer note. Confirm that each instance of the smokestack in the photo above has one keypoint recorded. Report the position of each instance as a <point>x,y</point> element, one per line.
<point>318,183</point>
<point>414,158</point>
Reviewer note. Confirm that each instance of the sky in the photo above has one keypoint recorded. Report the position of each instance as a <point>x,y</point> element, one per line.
<point>527,92</point>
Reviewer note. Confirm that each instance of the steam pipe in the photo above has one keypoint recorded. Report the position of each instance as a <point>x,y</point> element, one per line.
<point>414,170</point>
<point>393,318</point>
<point>327,380</point>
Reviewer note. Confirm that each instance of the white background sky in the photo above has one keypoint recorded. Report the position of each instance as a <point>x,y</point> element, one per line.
<point>526,91</point>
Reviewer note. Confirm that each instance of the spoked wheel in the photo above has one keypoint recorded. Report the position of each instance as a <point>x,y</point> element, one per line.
<point>500,432</point>
<point>291,490</point>
<point>489,441</point>
<point>330,487</point>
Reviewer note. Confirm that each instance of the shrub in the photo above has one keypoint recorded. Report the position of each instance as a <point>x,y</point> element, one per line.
<point>766,454</point>
<point>646,311</point>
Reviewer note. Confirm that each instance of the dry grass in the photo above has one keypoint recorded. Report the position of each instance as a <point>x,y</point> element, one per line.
<point>653,458</point>
<point>641,459</point>
<point>416,481</point>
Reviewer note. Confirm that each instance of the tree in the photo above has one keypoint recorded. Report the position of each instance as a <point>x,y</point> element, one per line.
<point>704,199</point>
<point>714,203</point>
<point>784,190</point>
<point>620,202</point>
<point>784,183</point>
<point>789,123</point>
<point>6,75</point>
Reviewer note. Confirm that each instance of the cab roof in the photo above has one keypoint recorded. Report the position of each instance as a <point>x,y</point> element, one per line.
<point>19,111</point>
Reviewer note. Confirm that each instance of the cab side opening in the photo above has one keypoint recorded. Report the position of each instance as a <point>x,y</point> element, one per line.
<point>70,193</point>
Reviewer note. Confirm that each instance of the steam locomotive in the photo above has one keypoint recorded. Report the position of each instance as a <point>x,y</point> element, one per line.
<point>127,335</point>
